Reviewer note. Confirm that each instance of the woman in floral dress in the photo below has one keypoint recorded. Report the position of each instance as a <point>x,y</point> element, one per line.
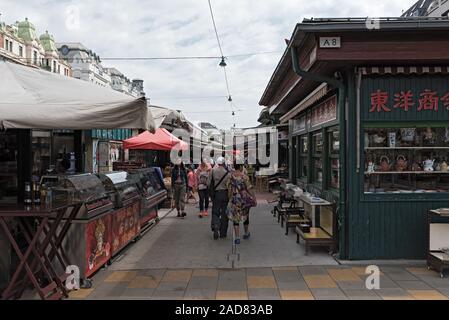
<point>241,199</point>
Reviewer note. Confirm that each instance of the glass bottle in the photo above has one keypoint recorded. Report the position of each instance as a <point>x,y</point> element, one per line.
<point>36,193</point>
<point>28,196</point>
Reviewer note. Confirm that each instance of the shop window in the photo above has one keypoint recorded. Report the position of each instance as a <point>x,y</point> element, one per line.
<point>8,168</point>
<point>317,161</point>
<point>334,161</point>
<point>304,157</point>
<point>406,160</point>
<point>41,153</point>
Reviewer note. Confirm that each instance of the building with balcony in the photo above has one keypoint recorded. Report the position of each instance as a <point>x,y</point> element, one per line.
<point>85,64</point>
<point>121,83</point>
<point>428,8</point>
<point>20,44</point>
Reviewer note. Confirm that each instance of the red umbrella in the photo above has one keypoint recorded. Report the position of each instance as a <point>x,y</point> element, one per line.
<point>160,140</point>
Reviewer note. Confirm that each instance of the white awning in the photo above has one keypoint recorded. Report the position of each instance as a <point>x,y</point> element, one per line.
<point>32,98</point>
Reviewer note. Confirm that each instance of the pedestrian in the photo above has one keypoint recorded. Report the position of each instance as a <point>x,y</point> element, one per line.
<point>219,194</point>
<point>241,199</point>
<point>191,184</point>
<point>179,185</point>
<point>202,175</point>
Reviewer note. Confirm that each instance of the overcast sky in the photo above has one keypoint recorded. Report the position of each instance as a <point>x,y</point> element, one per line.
<point>150,28</point>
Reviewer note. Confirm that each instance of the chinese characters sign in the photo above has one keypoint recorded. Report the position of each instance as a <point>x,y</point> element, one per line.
<point>405,100</point>
<point>324,112</point>
<point>411,98</point>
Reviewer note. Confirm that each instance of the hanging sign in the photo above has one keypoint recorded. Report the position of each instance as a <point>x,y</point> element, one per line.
<point>324,112</point>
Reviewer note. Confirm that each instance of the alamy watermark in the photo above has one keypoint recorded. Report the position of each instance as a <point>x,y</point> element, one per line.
<point>372,282</point>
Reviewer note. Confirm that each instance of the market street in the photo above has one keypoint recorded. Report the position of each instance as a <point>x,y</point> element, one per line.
<point>178,259</point>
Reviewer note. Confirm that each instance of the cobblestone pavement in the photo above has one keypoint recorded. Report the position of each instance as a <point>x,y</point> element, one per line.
<point>178,259</point>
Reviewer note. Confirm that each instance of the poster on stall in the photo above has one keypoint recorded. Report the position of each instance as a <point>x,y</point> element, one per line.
<point>98,243</point>
<point>125,226</point>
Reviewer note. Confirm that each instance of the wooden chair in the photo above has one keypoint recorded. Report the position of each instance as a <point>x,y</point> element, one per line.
<point>293,218</point>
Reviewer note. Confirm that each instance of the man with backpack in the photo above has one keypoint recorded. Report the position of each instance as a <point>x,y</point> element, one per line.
<point>218,191</point>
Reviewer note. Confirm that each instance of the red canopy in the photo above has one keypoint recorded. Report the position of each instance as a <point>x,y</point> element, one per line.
<point>160,140</point>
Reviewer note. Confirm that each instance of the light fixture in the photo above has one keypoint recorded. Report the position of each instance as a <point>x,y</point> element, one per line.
<point>223,62</point>
<point>230,99</point>
<point>233,113</point>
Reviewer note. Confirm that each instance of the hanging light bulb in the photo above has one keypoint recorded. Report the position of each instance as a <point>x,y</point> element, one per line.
<point>233,113</point>
<point>230,99</point>
<point>223,62</point>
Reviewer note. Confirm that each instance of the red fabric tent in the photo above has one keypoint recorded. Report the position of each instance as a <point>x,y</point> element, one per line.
<point>160,140</point>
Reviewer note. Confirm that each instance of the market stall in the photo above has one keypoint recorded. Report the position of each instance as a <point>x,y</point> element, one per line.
<point>368,127</point>
<point>43,137</point>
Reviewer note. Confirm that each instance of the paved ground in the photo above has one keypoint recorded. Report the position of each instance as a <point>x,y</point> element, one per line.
<point>178,259</point>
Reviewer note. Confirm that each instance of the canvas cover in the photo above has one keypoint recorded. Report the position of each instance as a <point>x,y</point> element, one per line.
<point>160,140</point>
<point>32,98</point>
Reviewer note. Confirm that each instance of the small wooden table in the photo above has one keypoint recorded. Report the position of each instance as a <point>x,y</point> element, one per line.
<point>44,244</point>
<point>316,237</point>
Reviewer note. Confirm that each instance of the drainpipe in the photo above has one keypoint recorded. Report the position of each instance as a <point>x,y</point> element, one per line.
<point>342,128</point>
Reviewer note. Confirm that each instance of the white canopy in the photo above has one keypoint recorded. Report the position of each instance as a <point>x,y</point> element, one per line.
<point>165,115</point>
<point>36,99</point>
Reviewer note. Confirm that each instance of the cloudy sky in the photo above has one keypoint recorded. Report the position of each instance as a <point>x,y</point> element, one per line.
<point>172,28</point>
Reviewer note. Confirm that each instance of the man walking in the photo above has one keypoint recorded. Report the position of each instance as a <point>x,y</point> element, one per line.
<point>219,194</point>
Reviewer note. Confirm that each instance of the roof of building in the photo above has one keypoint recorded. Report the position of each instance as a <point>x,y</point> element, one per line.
<point>48,42</point>
<point>419,9</point>
<point>326,25</point>
<point>27,30</point>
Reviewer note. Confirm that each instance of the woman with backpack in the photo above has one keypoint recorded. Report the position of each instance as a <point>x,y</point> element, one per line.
<point>241,199</point>
<point>202,179</point>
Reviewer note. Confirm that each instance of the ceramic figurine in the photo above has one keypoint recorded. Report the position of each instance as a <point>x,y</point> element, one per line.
<point>444,166</point>
<point>438,167</point>
<point>378,139</point>
<point>428,165</point>
<point>429,136</point>
<point>384,163</point>
<point>392,139</point>
<point>371,167</point>
<point>401,163</point>
<point>408,134</point>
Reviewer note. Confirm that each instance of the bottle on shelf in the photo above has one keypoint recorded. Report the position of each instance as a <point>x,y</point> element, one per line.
<point>28,196</point>
<point>36,194</point>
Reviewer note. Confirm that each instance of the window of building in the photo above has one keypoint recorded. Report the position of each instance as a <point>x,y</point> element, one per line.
<point>21,51</point>
<point>317,161</point>
<point>304,157</point>
<point>35,58</point>
<point>333,158</point>
<point>54,66</point>
<point>406,160</point>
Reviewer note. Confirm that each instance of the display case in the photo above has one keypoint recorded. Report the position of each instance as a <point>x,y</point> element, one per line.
<point>152,190</point>
<point>86,188</point>
<point>333,155</point>
<point>317,161</point>
<point>121,190</point>
<point>406,160</point>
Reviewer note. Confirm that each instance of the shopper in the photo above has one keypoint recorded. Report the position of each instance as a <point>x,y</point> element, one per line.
<point>179,185</point>
<point>191,184</point>
<point>202,175</point>
<point>241,199</point>
<point>218,191</point>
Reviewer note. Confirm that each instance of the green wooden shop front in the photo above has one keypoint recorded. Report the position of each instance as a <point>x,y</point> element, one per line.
<point>397,155</point>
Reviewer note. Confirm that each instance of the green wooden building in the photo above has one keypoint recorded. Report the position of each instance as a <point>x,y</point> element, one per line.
<point>367,103</point>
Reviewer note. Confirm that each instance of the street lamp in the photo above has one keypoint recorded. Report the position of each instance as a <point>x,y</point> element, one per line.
<point>223,62</point>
